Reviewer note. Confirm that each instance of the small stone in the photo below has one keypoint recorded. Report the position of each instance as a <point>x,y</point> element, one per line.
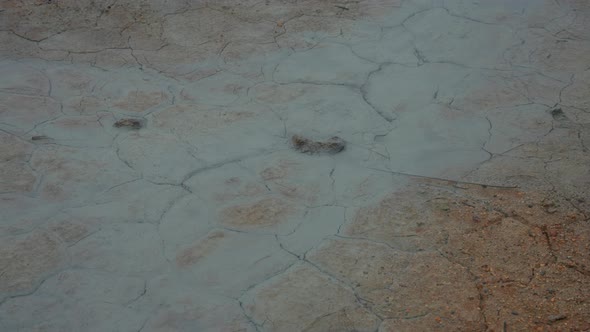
<point>549,206</point>
<point>555,318</point>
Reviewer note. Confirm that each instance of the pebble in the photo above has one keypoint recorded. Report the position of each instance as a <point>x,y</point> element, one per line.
<point>555,318</point>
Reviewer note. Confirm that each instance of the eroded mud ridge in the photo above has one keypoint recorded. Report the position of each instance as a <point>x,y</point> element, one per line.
<point>372,165</point>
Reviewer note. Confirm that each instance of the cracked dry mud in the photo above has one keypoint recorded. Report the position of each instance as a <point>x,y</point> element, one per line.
<point>148,180</point>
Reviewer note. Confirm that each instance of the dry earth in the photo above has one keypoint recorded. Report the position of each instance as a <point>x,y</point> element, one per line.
<point>148,180</point>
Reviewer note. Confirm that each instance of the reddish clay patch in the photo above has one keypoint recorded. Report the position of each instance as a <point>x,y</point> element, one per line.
<point>264,213</point>
<point>139,101</point>
<point>526,254</point>
<point>196,252</point>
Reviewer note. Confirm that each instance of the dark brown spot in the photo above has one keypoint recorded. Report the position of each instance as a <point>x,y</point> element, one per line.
<point>129,123</point>
<point>306,145</point>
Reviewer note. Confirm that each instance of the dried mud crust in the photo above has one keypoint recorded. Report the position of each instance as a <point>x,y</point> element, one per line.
<point>525,253</point>
<point>137,30</point>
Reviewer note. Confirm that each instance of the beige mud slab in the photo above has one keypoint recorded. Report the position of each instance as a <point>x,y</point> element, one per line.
<point>149,180</point>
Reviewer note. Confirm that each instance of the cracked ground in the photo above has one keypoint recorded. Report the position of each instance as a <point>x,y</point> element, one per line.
<point>148,180</point>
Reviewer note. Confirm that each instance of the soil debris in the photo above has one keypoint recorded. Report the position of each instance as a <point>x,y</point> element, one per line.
<point>306,145</point>
<point>39,138</point>
<point>129,123</point>
<point>558,114</point>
